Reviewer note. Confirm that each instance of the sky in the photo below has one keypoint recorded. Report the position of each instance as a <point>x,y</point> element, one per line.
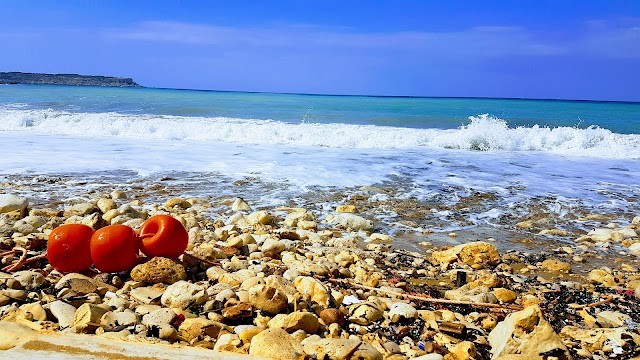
<point>533,49</point>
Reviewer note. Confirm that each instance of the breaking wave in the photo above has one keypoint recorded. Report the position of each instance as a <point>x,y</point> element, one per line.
<point>482,133</point>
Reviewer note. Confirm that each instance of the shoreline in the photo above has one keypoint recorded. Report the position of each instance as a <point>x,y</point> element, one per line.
<point>341,279</point>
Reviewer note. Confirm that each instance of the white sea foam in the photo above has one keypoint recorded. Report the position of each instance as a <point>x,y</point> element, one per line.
<point>483,133</point>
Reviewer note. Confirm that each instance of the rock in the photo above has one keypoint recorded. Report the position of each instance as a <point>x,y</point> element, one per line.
<point>87,318</point>
<point>14,294</point>
<point>29,224</point>
<point>82,284</point>
<point>377,238</point>
<point>183,294</point>
<point>176,201</point>
<point>214,273</point>
<point>302,320</point>
<point>240,205</point>
<point>197,328</point>
<point>36,310</point>
<point>365,313</point>
<point>346,209</point>
<point>601,234</point>
<point>433,356</point>
<point>284,285</point>
<point>392,347</point>
<point>481,294</point>
<point>335,349</point>
<point>276,344</point>
<point>526,332</point>
<point>105,205</point>
<point>46,213</point>
<point>227,342</point>
<point>314,289</point>
<point>258,217</point>
<point>63,312</point>
<point>332,316</point>
<point>464,350</point>
<point>247,332</point>
<point>116,321</point>
<point>600,339</point>
<point>30,280</point>
<point>294,218</point>
<point>267,299</point>
<point>9,203</point>
<point>162,316</point>
<point>402,311</point>
<point>353,222</point>
<point>11,334</point>
<point>602,277</point>
<point>556,266</point>
<point>272,246</point>
<point>611,319</point>
<point>4,300</point>
<point>81,209</point>
<point>473,253</point>
<point>238,311</point>
<point>167,332</point>
<point>635,249</point>
<point>504,296</point>
<point>554,232</point>
<point>147,294</point>
<point>118,194</point>
<point>159,270</point>
<point>366,352</point>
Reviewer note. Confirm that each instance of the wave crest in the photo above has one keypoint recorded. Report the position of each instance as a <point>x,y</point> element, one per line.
<point>483,133</point>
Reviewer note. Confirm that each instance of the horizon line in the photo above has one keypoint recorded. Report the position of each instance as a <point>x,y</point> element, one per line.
<point>396,96</point>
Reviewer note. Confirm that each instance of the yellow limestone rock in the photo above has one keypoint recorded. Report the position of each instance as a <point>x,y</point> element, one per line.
<point>526,332</point>
<point>276,344</point>
<point>554,265</point>
<point>473,253</point>
<point>346,209</point>
<point>314,289</point>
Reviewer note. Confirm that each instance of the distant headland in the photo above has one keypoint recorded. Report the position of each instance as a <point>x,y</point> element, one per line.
<point>65,79</point>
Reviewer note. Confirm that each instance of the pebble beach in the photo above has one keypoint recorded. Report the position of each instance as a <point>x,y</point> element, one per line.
<point>325,282</point>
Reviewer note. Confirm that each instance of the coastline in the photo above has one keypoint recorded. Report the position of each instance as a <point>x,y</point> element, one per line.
<point>343,276</point>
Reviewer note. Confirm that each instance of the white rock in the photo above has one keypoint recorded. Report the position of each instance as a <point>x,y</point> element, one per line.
<point>635,248</point>
<point>240,205</point>
<point>365,313</point>
<point>158,317</point>
<point>29,280</point>
<point>272,246</point>
<point>401,311</point>
<point>351,221</point>
<point>9,202</point>
<point>350,300</point>
<point>183,294</point>
<point>63,312</point>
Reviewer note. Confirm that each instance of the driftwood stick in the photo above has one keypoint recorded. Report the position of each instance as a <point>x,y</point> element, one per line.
<point>424,297</point>
<point>606,300</point>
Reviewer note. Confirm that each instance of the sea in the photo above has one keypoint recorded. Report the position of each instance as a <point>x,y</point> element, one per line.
<point>422,168</point>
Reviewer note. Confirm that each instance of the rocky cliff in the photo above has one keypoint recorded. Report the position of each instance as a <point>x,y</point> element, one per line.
<point>64,79</point>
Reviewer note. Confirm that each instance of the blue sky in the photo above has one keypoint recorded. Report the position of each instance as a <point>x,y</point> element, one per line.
<point>538,49</point>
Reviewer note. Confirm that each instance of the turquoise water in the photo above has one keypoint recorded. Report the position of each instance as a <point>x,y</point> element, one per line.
<point>438,113</point>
